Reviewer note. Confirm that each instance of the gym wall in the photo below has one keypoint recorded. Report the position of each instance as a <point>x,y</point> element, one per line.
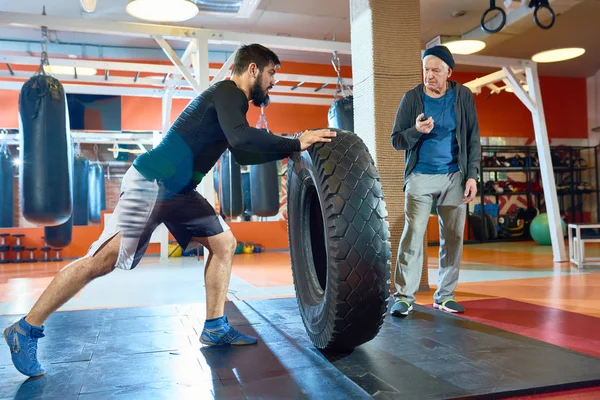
<point>500,115</point>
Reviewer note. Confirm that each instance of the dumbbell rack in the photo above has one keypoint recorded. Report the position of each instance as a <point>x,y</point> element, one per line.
<point>568,172</point>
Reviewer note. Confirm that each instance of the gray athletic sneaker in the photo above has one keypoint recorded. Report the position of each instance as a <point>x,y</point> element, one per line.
<point>450,306</point>
<point>401,308</point>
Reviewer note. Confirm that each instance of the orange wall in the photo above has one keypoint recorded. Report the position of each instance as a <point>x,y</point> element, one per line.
<point>500,115</point>
<point>273,235</point>
<point>9,111</point>
<point>503,114</point>
<point>140,113</point>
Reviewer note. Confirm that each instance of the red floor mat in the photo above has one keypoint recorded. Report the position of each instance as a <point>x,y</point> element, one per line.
<point>574,331</point>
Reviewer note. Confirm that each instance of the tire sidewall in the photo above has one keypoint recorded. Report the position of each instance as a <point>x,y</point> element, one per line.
<point>312,301</point>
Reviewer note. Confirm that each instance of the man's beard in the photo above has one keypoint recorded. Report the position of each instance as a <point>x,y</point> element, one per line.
<point>258,97</point>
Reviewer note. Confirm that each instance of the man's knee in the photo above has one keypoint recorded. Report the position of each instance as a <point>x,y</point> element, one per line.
<point>231,243</point>
<point>223,245</point>
<point>104,261</point>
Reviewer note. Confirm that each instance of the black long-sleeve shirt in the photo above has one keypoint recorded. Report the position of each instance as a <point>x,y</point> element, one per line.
<point>211,123</point>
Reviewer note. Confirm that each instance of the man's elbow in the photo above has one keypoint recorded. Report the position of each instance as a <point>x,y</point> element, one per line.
<point>397,142</point>
<point>238,141</point>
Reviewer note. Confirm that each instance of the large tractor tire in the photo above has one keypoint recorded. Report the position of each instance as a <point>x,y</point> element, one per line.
<point>339,248</point>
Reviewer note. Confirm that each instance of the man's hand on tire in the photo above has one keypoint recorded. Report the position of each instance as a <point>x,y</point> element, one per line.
<point>308,138</point>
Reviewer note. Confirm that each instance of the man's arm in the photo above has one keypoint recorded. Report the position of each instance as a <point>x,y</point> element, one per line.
<point>251,158</point>
<point>231,105</point>
<point>405,135</point>
<point>473,139</point>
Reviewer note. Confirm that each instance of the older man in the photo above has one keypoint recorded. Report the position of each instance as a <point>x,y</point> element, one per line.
<point>436,125</point>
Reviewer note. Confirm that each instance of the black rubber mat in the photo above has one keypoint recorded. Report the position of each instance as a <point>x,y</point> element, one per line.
<point>154,353</point>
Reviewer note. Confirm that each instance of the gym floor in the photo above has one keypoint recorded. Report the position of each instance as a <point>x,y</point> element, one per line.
<point>514,295</point>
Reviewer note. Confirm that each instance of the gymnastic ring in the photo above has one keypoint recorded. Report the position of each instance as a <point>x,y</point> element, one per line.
<point>552,19</point>
<point>493,8</point>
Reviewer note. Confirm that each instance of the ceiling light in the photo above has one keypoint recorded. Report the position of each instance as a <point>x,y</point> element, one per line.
<point>64,70</point>
<point>162,10</point>
<point>558,55</point>
<point>464,46</point>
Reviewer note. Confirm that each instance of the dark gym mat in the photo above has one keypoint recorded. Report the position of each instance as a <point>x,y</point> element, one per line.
<point>153,352</point>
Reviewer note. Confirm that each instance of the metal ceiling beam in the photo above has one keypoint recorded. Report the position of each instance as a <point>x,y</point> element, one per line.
<point>220,75</point>
<point>91,51</point>
<point>490,61</point>
<point>21,20</point>
<point>21,76</point>
<point>151,68</point>
<point>518,90</point>
<point>98,137</point>
<point>110,90</point>
<point>181,68</point>
<point>476,84</point>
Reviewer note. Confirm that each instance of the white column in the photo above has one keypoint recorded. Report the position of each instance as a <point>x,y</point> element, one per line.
<point>593,116</point>
<point>546,168</point>
<point>202,75</point>
<point>593,102</point>
<point>167,102</point>
<point>201,68</point>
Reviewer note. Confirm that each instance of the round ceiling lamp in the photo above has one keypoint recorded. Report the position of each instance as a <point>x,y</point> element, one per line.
<point>465,46</point>
<point>162,10</point>
<point>557,55</point>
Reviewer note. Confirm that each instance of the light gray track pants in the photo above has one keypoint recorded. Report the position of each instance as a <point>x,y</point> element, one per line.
<point>421,190</point>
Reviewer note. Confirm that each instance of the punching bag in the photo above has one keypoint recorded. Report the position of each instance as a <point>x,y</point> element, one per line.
<point>264,189</point>
<point>6,190</point>
<point>97,192</point>
<point>59,236</point>
<point>45,171</point>
<point>80,190</point>
<point>231,197</point>
<point>341,114</point>
<point>246,191</point>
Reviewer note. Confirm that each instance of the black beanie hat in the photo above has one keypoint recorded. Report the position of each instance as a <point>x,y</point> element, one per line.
<point>442,53</point>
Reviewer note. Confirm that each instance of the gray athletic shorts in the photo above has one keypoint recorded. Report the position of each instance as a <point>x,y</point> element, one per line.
<point>143,205</point>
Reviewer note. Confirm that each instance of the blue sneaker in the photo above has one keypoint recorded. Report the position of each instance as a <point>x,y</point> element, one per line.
<point>22,339</point>
<point>218,332</point>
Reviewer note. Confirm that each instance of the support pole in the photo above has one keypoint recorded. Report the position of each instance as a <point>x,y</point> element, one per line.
<point>220,75</point>
<point>202,74</point>
<point>520,92</point>
<point>167,102</point>
<point>386,63</point>
<point>177,62</point>
<point>201,65</point>
<point>546,168</point>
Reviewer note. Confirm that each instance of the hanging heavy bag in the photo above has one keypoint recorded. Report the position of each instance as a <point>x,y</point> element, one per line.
<point>45,172</point>
<point>6,190</point>
<point>246,191</point>
<point>59,236</point>
<point>264,189</point>
<point>264,182</point>
<point>97,192</point>
<point>341,114</point>
<point>231,196</point>
<point>80,190</point>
